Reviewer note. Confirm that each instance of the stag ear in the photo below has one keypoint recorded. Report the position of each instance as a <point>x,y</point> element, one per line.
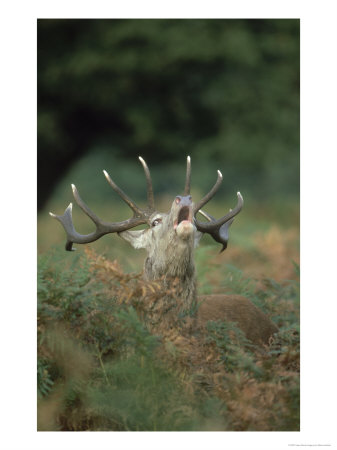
<point>137,238</point>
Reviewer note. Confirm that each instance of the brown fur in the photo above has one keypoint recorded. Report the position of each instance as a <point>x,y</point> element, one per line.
<point>257,327</point>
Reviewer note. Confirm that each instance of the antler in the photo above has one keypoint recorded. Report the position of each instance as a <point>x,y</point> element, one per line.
<point>218,229</point>
<point>140,216</point>
<point>188,177</point>
<point>210,195</point>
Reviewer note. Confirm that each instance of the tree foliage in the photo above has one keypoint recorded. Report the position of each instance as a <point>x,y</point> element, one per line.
<point>225,90</point>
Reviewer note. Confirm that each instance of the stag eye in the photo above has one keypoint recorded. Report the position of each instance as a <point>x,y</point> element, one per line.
<point>156,222</point>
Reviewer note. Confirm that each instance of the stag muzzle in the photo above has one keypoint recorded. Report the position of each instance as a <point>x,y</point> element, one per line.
<point>183,217</point>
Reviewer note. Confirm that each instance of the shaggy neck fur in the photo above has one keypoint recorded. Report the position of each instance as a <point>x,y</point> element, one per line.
<point>172,260</point>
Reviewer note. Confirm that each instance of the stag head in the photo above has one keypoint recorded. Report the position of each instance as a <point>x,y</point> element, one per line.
<point>169,235</point>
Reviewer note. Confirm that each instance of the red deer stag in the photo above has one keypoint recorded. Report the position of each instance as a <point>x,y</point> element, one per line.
<point>170,241</point>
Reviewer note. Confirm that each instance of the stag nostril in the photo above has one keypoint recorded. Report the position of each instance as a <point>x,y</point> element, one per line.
<point>190,197</point>
<point>178,199</point>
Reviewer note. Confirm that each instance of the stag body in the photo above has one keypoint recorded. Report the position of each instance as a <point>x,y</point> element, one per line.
<point>170,241</point>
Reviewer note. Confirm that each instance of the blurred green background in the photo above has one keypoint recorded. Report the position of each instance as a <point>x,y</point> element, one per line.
<point>224,91</point>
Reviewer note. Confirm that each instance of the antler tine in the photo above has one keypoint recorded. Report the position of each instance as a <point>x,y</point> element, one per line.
<point>206,215</point>
<point>150,197</point>
<point>206,227</point>
<point>84,207</point>
<point>211,193</point>
<point>138,211</point>
<point>67,221</point>
<point>140,217</point>
<point>219,229</point>
<point>188,177</point>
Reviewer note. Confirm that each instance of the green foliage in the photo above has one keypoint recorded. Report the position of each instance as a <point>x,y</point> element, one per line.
<point>276,371</point>
<point>136,335</point>
<point>231,280</point>
<point>234,282</point>
<point>101,368</point>
<point>281,300</point>
<point>235,348</point>
<point>103,358</point>
<point>224,91</point>
<point>44,381</point>
<point>202,268</point>
<point>143,396</point>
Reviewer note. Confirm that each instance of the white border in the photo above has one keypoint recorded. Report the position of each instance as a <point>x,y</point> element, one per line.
<point>318,219</point>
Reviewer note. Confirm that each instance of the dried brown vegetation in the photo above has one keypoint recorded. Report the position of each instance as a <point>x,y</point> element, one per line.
<point>269,255</point>
<point>214,364</point>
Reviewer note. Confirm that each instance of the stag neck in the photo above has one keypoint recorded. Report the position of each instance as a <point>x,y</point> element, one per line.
<point>173,277</point>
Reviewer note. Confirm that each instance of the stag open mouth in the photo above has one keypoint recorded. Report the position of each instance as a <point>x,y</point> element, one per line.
<point>184,216</point>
